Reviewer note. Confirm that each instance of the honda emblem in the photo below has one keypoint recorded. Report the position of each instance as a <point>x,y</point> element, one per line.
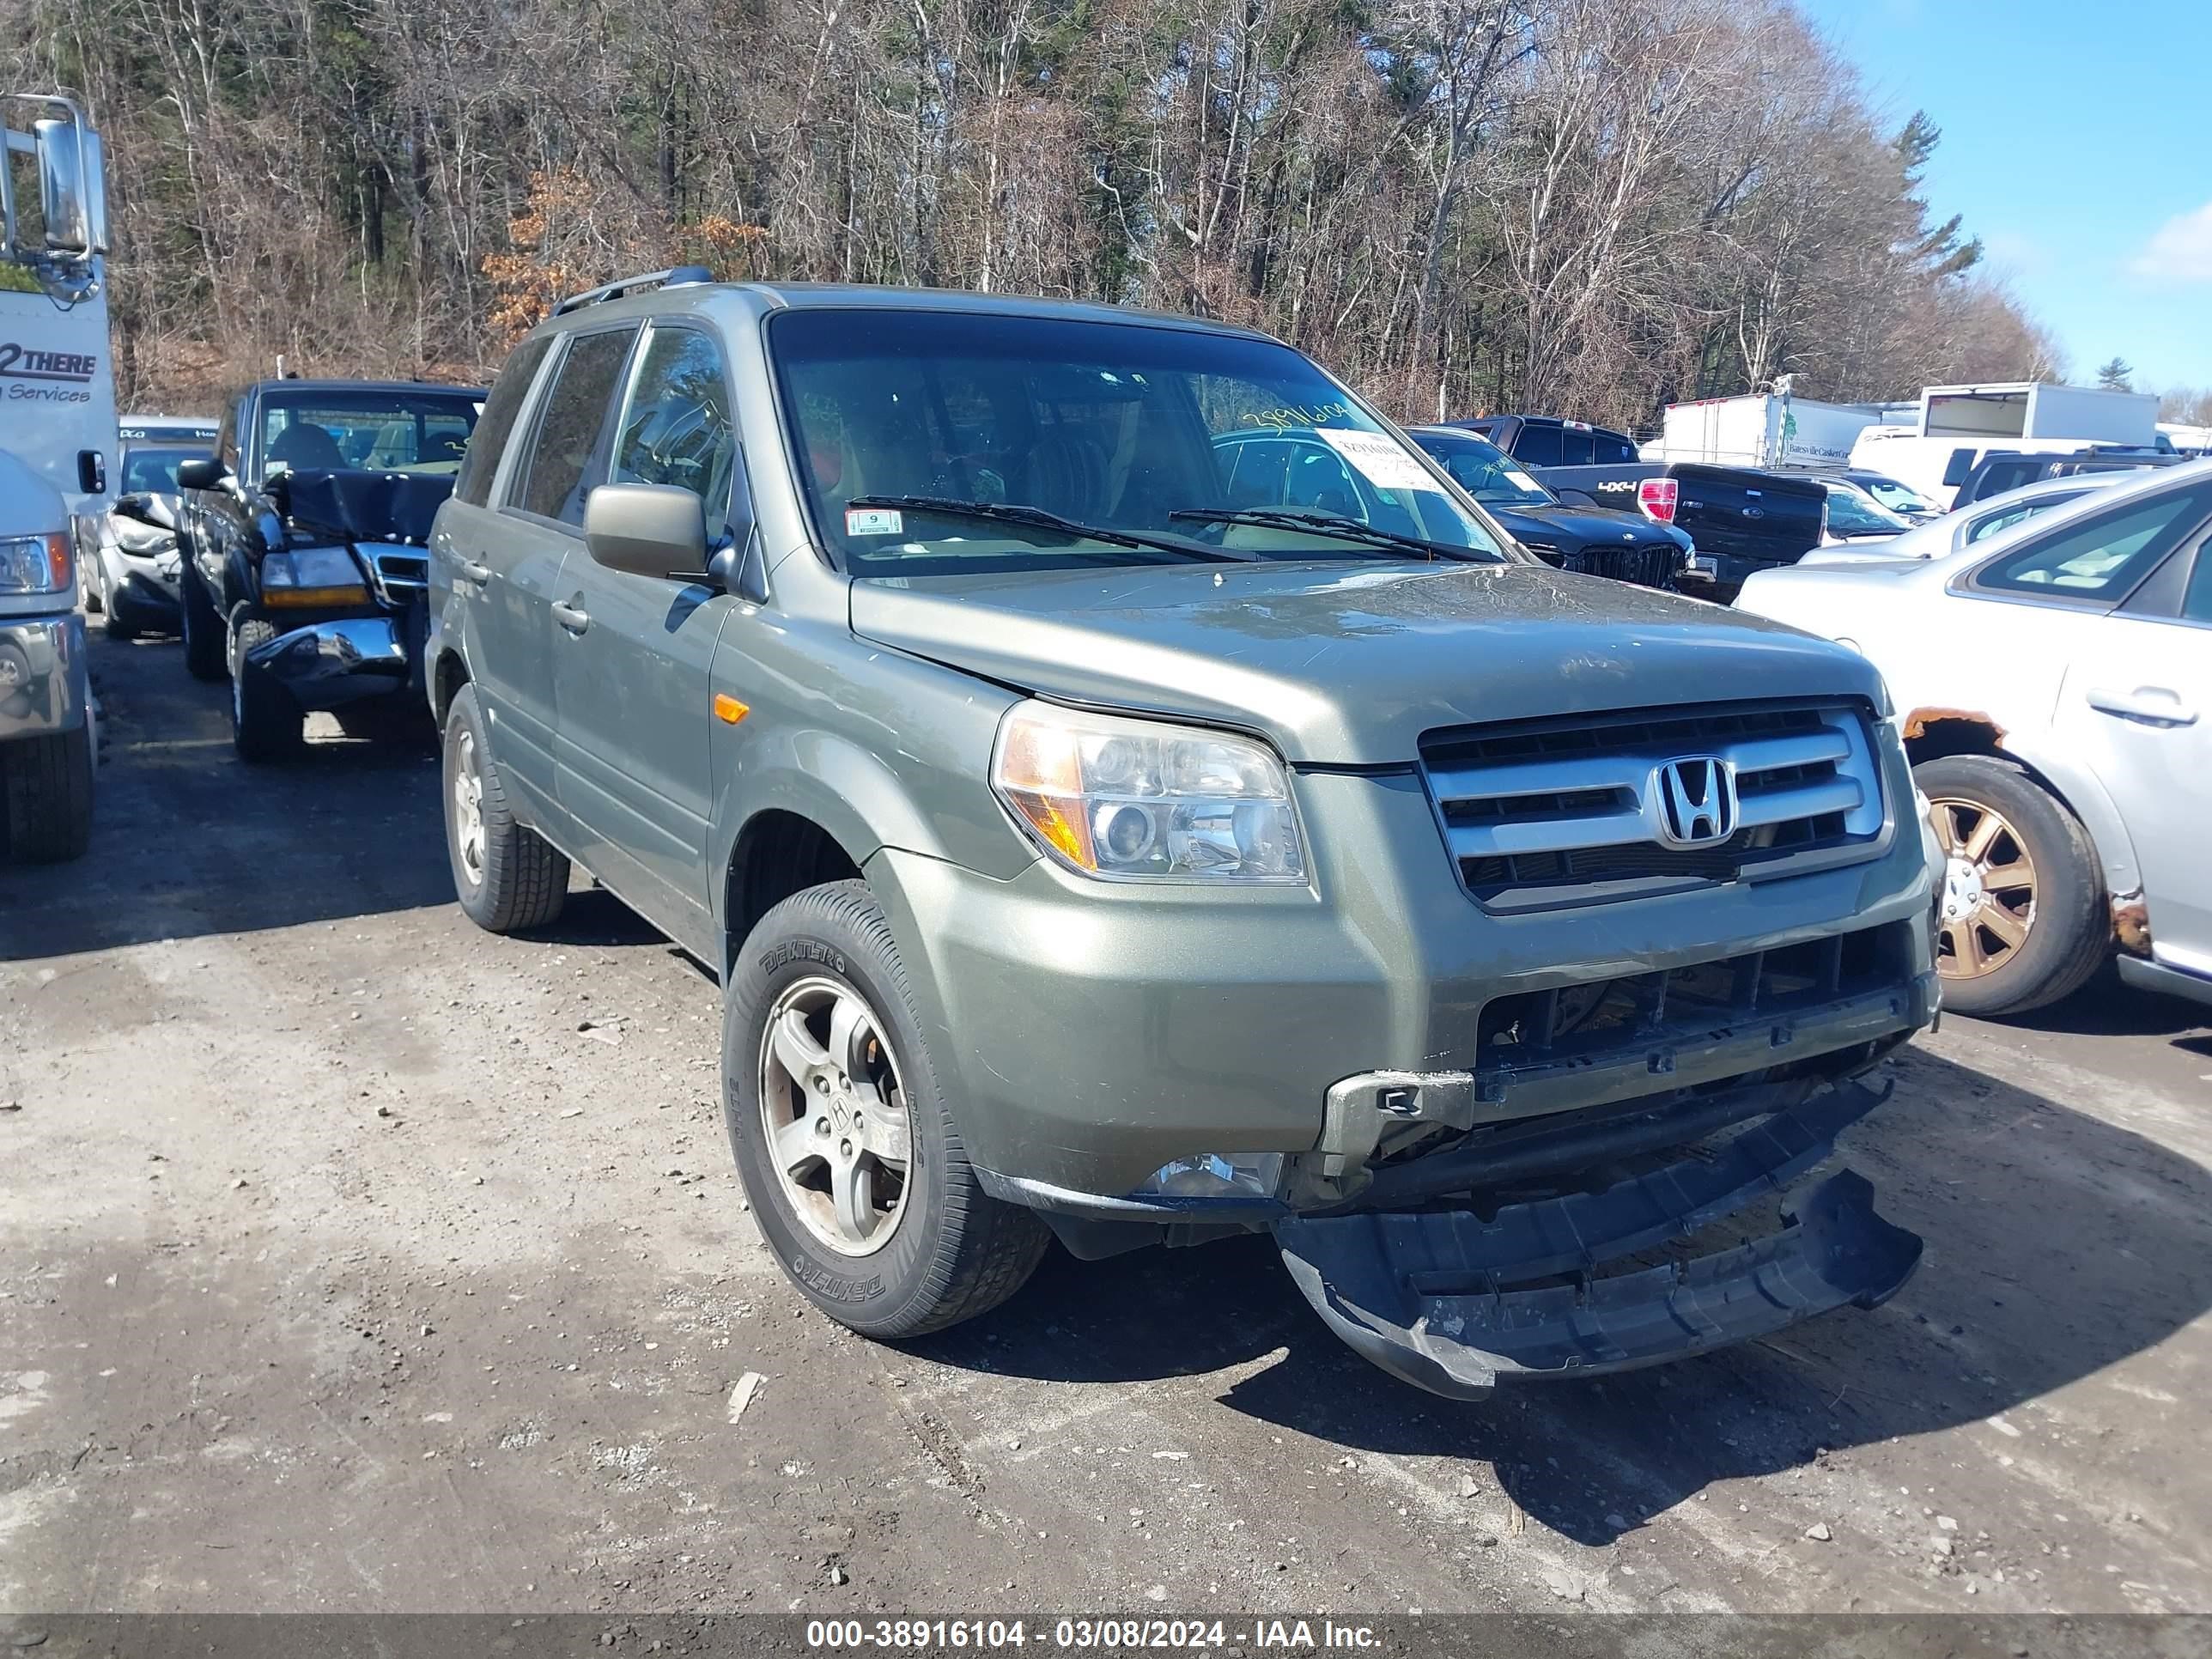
<point>1693,801</point>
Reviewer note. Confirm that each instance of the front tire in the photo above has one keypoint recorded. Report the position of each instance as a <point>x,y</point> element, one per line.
<point>2024,921</point>
<point>45,791</point>
<point>844,1138</point>
<point>266,725</point>
<point>507,876</point>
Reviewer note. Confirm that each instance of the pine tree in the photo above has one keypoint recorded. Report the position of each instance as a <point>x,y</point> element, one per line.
<point>2117,376</point>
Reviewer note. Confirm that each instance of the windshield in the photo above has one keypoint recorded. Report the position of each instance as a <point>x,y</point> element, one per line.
<point>1851,513</point>
<point>1120,428</point>
<point>147,470</point>
<point>1484,470</point>
<point>1896,496</point>
<point>394,431</point>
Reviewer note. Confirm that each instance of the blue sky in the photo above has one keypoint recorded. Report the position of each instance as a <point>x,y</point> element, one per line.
<point>2075,143</point>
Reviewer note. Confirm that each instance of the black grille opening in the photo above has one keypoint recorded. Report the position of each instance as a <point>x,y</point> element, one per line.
<point>1679,731</point>
<point>1589,1022</point>
<point>1655,564</point>
<point>1546,808</point>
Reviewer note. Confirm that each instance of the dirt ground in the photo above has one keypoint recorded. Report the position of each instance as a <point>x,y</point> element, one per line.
<point>352,1259</point>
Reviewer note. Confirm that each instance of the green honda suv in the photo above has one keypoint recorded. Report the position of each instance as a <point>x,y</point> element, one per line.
<point>1108,833</point>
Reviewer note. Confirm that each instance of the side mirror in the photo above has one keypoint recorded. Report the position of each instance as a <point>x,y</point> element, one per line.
<point>647,529</point>
<point>201,475</point>
<point>73,197</point>
<point>91,472</point>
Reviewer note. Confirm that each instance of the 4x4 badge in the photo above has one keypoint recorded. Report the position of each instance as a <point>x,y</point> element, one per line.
<point>1695,801</point>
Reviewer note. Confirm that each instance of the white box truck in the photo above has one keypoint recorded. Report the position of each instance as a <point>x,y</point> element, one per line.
<point>1771,429</point>
<point>1959,426</point>
<point>56,434</point>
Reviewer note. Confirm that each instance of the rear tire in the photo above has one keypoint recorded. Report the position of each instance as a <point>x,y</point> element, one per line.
<point>266,725</point>
<point>507,876</point>
<point>2024,921</point>
<point>45,790</point>
<point>949,1251</point>
<point>205,638</point>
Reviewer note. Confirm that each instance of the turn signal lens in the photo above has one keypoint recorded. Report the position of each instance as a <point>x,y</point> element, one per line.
<point>1126,800</point>
<point>312,577</point>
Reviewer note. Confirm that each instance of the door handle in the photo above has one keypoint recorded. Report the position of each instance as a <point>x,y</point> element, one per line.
<point>2153,704</point>
<point>570,617</point>
<point>470,571</point>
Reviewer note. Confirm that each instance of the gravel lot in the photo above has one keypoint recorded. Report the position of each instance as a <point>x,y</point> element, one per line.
<point>351,1258</point>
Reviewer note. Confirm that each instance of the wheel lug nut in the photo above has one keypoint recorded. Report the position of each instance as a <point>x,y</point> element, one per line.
<point>821,1125</point>
<point>844,1148</point>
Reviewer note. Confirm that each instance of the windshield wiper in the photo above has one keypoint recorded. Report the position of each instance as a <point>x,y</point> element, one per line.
<point>1039,518</point>
<point>1330,523</point>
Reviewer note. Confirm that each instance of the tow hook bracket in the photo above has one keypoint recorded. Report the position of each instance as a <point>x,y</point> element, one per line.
<point>1449,1302</point>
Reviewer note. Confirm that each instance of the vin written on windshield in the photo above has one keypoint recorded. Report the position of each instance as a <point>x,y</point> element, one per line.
<point>1097,439</point>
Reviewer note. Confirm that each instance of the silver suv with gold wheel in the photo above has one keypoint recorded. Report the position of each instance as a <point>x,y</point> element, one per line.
<point>1097,841</point>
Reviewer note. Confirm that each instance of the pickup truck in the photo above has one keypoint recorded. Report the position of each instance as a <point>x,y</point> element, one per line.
<point>1743,519</point>
<point>1095,838</point>
<point>302,561</point>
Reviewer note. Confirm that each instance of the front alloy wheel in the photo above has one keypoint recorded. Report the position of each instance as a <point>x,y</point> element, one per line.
<point>1989,889</point>
<point>835,1116</point>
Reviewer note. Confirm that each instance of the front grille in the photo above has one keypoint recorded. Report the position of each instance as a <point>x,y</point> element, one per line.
<point>402,573</point>
<point>1653,564</point>
<point>1584,1025</point>
<point>1567,810</point>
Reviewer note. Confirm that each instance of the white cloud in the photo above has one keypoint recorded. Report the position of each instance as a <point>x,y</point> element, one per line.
<point>2180,250</point>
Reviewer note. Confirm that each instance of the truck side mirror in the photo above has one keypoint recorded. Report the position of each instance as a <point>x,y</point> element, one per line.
<point>72,192</point>
<point>647,530</point>
<point>201,475</point>
<point>91,472</point>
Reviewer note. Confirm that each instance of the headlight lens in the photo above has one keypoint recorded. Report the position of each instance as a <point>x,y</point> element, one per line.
<point>1216,1175</point>
<point>36,564</point>
<point>143,540</point>
<point>1130,798</point>
<point>313,576</point>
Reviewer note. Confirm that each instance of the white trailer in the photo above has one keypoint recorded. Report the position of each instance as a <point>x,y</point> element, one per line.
<point>57,438</point>
<point>1772,429</point>
<point>2035,409</point>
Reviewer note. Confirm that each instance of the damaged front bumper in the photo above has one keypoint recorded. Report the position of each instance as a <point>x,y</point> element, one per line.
<point>1450,1301</point>
<point>333,665</point>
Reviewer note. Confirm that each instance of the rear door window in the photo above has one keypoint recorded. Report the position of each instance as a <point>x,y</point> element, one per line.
<point>567,452</point>
<point>1576,448</point>
<point>1611,449</point>
<point>488,441</point>
<point>1537,445</point>
<point>2100,559</point>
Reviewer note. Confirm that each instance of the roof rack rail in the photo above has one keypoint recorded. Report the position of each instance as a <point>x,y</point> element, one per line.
<point>676,276</point>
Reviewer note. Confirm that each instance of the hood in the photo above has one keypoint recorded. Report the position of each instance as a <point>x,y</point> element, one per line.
<point>1348,663</point>
<point>1568,527</point>
<point>360,506</point>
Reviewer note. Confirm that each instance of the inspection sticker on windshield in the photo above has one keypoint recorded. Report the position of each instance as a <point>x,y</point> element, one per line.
<point>1378,458</point>
<point>874,521</point>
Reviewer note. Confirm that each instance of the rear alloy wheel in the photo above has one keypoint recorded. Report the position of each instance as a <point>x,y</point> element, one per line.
<point>507,876</point>
<point>2019,925</point>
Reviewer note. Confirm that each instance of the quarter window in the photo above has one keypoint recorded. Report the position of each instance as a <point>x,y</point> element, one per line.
<point>2104,557</point>
<point>2197,603</point>
<point>677,427</point>
<point>488,441</point>
<point>567,455</point>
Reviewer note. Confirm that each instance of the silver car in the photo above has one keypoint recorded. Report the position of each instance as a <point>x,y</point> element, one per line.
<point>1938,537</point>
<point>133,584</point>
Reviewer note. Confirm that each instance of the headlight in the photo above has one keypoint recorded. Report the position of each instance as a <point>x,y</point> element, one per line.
<point>1216,1175</point>
<point>36,564</point>
<point>1127,798</point>
<point>313,576</point>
